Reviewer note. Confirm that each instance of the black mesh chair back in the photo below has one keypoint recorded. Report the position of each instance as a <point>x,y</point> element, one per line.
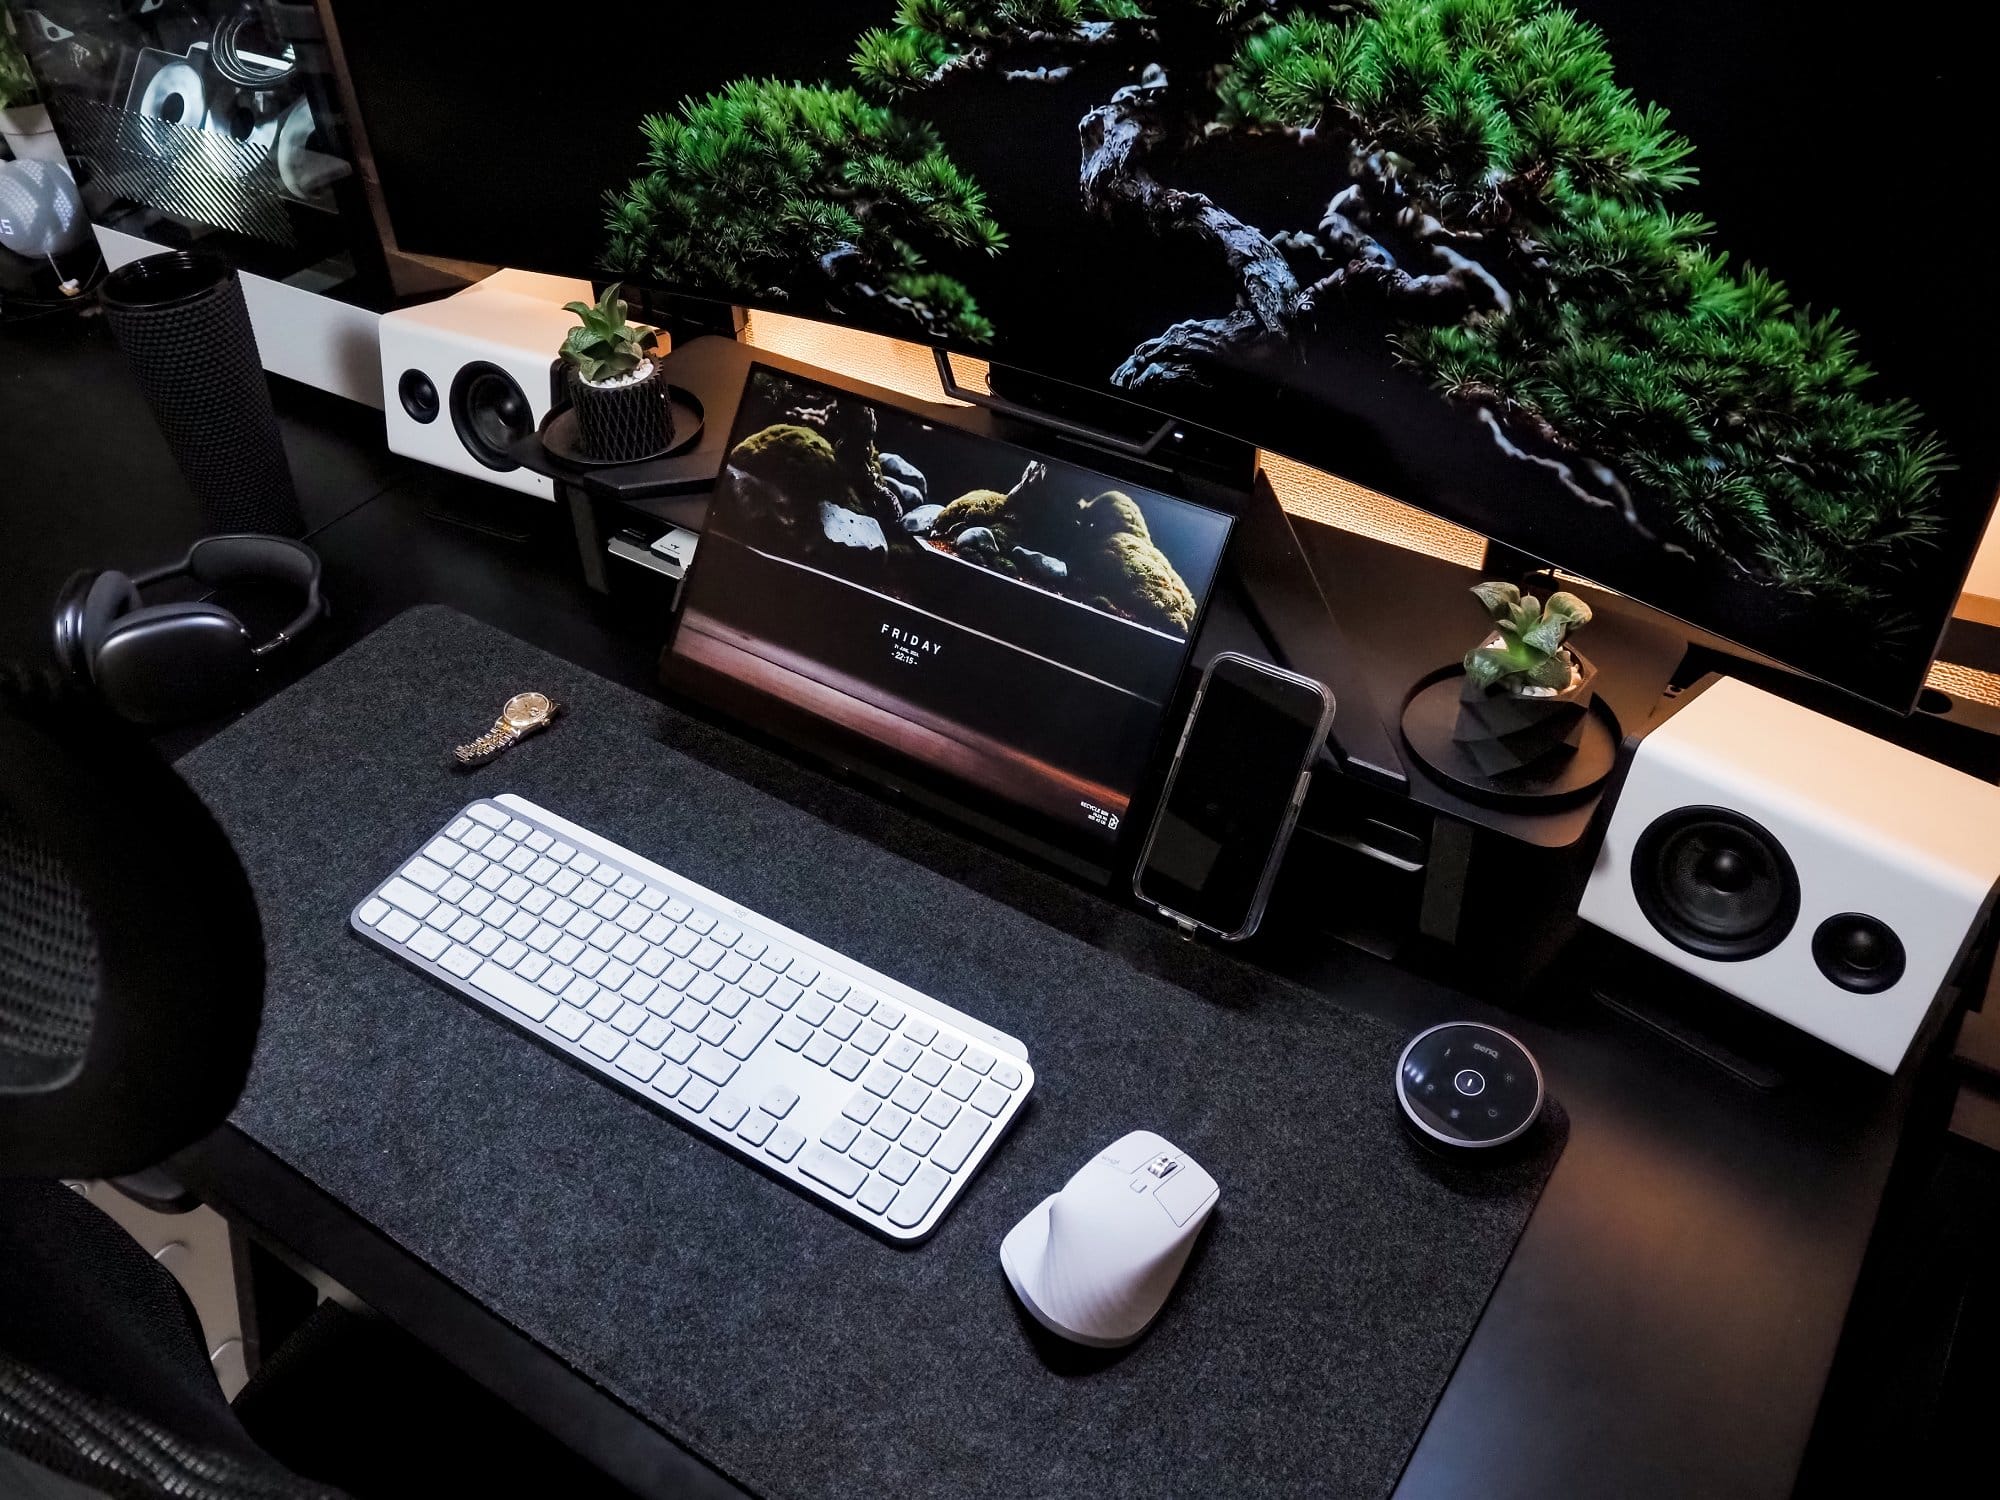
<point>131,958</point>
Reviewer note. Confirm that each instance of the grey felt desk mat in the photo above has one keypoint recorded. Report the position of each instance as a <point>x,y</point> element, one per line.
<point>1302,1352</point>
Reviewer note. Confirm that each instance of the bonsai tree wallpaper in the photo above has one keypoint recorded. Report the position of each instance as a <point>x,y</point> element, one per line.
<point>1445,248</point>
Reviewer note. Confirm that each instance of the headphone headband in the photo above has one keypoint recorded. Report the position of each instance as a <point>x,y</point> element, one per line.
<point>241,556</point>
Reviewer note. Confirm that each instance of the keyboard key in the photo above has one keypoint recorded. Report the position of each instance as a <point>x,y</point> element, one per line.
<point>758,980</point>
<point>542,937</point>
<point>458,828</point>
<point>805,973</point>
<point>814,1010</point>
<point>726,933</point>
<point>583,864</point>
<point>656,927</point>
<point>565,949</point>
<point>681,1046</point>
<point>678,909</point>
<point>588,894</point>
<point>778,1103</point>
<point>582,925</point>
<point>499,849</point>
<point>589,962</point>
<point>727,998</point>
<point>372,911</point>
<point>832,986</point>
<point>455,889</point>
<point>757,1127</point>
<point>580,992</point>
<point>442,916</point>
<point>603,1041</point>
<point>610,905</point>
<point>960,1084</point>
<point>653,962</point>
<point>680,975</point>
<point>714,1028</point>
<point>1006,1075</point>
<point>520,861</point>
<point>940,1111</point>
<point>541,871</point>
<point>861,1108</point>
<point>989,1098</point>
<point>652,898</point>
<point>464,930</point>
<point>957,1143</point>
<point>919,1137</point>
<point>696,1093</point>
<point>485,812</point>
<point>399,925</point>
<point>784,1143</point>
<point>629,886</point>
<point>822,1048</point>
<point>888,1015</point>
<point>977,1060</point>
<point>613,975</point>
<point>476,902</point>
<point>539,842</point>
<point>406,897</point>
<point>518,830</point>
<point>510,953</point>
<point>898,1165</point>
<point>901,1053</point>
<point>700,921</point>
<point>656,1030</point>
<point>532,966</point>
<point>459,961</point>
<point>783,993</point>
<point>750,947</point>
<point>876,1194</point>
<point>430,943</point>
<point>792,1033</point>
<point>638,989</point>
<point>840,1134</point>
<point>881,1080</point>
<point>837,1172</point>
<point>752,1028</point>
<point>641,1062</point>
<point>669,1079</point>
<point>605,1004</point>
<point>631,948</point>
<point>555,979</point>
<point>870,1038</point>
<point>690,1015</point>
<point>917,1196</point>
<point>680,942</point>
<point>713,1064</point>
<point>860,1002</point>
<point>523,923</point>
<point>843,1024</point>
<point>568,1022</point>
<point>423,872</point>
<point>848,1063</point>
<point>488,939</point>
<point>728,1111</point>
<point>948,1046</point>
<point>630,1018</point>
<point>565,882</point>
<point>704,987</point>
<point>515,888</point>
<point>910,1095</point>
<point>889,1121</point>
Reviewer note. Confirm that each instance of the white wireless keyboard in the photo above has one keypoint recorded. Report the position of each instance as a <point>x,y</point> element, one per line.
<point>871,1097</point>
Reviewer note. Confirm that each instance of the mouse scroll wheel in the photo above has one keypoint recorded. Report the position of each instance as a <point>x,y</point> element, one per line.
<point>1162,1165</point>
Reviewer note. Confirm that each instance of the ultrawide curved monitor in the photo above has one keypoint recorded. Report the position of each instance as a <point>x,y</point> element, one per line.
<point>1684,299</point>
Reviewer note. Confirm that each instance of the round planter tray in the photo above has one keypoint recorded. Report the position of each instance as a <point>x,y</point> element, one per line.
<point>1430,714</point>
<point>559,436</point>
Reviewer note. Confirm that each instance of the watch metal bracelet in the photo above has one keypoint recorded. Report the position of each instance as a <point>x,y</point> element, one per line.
<point>488,745</point>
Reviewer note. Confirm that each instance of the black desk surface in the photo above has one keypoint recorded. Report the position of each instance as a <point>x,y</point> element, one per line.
<point>1668,1319</point>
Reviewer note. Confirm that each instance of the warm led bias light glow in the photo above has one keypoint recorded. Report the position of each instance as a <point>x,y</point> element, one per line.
<point>1304,491</point>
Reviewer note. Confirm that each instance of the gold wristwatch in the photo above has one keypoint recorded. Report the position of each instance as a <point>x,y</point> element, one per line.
<point>523,715</point>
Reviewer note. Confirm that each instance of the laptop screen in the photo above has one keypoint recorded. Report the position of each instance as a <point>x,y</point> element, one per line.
<point>1003,623</point>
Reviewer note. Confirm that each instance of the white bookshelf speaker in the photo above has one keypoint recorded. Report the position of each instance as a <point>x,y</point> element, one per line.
<point>1813,871</point>
<point>463,376</point>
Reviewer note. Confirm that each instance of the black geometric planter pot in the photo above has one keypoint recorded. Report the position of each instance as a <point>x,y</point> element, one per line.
<point>1504,733</point>
<point>623,423</point>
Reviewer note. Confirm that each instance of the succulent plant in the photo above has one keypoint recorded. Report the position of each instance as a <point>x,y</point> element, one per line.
<point>603,345</point>
<point>1531,651</point>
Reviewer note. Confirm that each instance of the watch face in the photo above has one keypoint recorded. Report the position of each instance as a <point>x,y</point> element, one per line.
<point>526,710</point>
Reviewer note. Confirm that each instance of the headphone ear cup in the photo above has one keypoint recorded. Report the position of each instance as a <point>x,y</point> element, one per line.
<point>89,605</point>
<point>170,662</point>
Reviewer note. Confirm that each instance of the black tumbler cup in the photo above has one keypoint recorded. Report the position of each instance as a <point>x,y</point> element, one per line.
<point>182,322</point>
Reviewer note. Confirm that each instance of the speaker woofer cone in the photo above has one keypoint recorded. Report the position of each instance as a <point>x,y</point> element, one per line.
<point>489,411</point>
<point>1715,883</point>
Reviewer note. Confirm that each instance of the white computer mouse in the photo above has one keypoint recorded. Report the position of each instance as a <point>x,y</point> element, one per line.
<point>1094,1262</point>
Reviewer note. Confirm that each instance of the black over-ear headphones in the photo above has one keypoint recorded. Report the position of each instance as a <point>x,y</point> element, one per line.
<point>159,663</point>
